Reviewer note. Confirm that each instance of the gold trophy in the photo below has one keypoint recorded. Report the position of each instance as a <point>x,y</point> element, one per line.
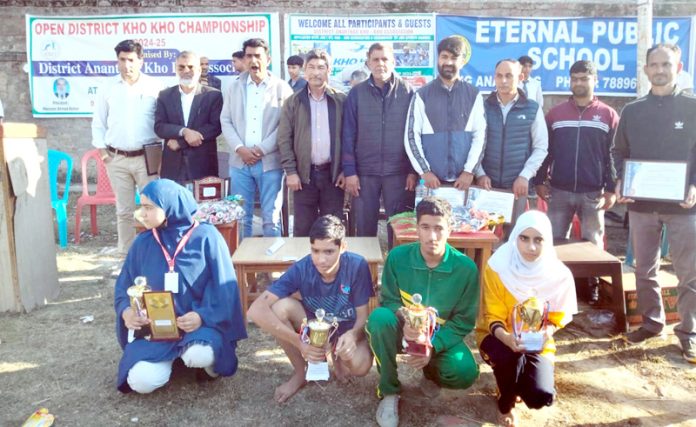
<point>423,319</point>
<point>135,293</point>
<point>317,332</point>
<point>528,321</point>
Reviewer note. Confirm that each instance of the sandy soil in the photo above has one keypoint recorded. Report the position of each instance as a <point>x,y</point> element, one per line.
<point>49,358</point>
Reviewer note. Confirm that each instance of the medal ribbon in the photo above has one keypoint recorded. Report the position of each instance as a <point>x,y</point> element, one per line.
<point>171,259</point>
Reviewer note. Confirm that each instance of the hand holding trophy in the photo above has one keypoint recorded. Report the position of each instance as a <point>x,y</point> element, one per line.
<point>528,321</point>
<point>135,293</point>
<point>422,319</point>
<point>317,333</point>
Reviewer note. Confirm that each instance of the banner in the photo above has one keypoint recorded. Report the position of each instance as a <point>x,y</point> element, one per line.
<point>556,43</point>
<point>348,38</point>
<point>71,58</point>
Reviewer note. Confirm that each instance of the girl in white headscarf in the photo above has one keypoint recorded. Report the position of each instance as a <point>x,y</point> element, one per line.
<point>526,266</point>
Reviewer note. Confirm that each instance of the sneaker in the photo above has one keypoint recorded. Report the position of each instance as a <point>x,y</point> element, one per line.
<point>388,411</point>
<point>640,335</point>
<point>689,350</point>
<point>429,388</point>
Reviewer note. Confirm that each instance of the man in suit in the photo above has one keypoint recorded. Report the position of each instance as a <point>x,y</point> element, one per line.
<point>187,117</point>
<point>208,79</point>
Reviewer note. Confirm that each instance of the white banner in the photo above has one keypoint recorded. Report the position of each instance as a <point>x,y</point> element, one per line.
<point>71,57</point>
<point>347,39</point>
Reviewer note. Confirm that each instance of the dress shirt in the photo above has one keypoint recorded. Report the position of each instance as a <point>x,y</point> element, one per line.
<point>186,102</point>
<point>321,135</point>
<point>532,87</point>
<point>124,114</point>
<point>255,103</point>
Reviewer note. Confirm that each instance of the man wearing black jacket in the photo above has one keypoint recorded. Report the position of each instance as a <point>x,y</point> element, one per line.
<point>187,117</point>
<point>661,126</point>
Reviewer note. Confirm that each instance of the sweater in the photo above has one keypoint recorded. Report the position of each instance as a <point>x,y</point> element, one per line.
<point>452,288</point>
<point>658,128</point>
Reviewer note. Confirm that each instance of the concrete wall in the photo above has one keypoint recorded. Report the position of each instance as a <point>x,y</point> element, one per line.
<point>73,135</point>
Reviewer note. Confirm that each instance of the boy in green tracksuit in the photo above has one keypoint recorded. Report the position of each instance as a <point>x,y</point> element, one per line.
<point>446,280</point>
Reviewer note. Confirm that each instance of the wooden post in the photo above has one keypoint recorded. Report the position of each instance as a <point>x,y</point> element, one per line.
<point>28,269</point>
<point>645,37</point>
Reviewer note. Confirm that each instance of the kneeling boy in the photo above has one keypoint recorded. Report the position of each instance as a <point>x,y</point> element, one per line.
<point>329,278</point>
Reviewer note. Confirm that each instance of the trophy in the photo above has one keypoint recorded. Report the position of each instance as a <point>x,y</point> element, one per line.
<point>317,332</point>
<point>528,321</point>
<point>135,293</point>
<point>424,320</point>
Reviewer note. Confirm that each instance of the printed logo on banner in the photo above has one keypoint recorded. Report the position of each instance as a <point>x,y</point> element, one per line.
<point>467,49</point>
<point>50,50</point>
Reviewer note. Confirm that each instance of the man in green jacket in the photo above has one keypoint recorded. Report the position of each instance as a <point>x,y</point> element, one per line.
<point>309,140</point>
<point>448,282</point>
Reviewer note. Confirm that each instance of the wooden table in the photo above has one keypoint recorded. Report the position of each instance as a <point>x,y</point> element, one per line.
<point>251,257</point>
<point>229,231</point>
<point>477,246</point>
<point>584,259</point>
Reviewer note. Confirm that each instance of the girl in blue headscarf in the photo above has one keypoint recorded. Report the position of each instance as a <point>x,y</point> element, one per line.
<point>207,305</point>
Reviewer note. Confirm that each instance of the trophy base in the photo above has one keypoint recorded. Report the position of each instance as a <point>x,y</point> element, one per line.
<point>416,349</point>
<point>533,342</point>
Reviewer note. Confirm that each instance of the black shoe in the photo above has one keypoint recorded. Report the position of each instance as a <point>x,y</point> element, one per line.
<point>640,335</point>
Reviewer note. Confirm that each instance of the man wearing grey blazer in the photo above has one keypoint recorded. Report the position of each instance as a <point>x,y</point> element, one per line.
<point>249,119</point>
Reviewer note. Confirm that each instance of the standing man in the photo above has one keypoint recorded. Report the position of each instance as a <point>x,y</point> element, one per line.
<point>374,158</point>
<point>447,280</point>
<point>446,127</point>
<point>516,137</point>
<point>660,126</point>
<point>296,82</point>
<point>578,176</point>
<point>188,119</point>
<point>123,121</point>
<point>208,79</point>
<point>250,116</point>
<point>238,62</point>
<point>309,140</point>
<point>530,85</point>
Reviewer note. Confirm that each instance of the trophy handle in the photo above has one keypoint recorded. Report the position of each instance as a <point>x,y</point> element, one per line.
<point>334,328</point>
<point>304,331</point>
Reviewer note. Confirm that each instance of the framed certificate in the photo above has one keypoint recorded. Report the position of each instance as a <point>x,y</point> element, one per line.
<point>500,202</point>
<point>160,311</point>
<point>655,180</point>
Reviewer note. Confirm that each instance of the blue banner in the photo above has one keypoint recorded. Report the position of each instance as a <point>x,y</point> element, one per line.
<point>556,43</point>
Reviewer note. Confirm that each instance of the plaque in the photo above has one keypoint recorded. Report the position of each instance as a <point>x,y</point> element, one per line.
<point>655,180</point>
<point>209,188</point>
<point>153,157</point>
<point>160,311</point>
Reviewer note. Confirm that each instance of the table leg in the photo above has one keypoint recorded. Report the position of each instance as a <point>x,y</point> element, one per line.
<point>243,290</point>
<point>486,252</point>
<point>618,299</point>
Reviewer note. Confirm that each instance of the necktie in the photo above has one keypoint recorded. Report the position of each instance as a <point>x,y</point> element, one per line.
<point>524,87</point>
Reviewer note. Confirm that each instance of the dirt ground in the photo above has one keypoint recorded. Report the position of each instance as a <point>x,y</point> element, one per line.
<point>49,358</point>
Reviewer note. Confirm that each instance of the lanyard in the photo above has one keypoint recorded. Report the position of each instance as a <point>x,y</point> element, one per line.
<point>170,259</point>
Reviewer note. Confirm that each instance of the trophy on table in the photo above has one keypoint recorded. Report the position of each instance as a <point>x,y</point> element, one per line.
<point>135,293</point>
<point>528,321</point>
<point>424,320</point>
<point>317,332</point>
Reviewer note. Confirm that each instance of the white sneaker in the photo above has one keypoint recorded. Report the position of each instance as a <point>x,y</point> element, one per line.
<point>388,411</point>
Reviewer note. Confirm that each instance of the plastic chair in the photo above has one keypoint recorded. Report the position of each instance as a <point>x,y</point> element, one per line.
<point>103,196</point>
<point>60,203</point>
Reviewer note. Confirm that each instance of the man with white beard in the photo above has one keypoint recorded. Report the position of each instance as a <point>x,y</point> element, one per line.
<point>188,119</point>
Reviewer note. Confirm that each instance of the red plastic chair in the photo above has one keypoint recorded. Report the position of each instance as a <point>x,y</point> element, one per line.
<point>103,196</point>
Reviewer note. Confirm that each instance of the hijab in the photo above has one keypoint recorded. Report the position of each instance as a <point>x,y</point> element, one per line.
<point>546,278</point>
<point>178,205</point>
